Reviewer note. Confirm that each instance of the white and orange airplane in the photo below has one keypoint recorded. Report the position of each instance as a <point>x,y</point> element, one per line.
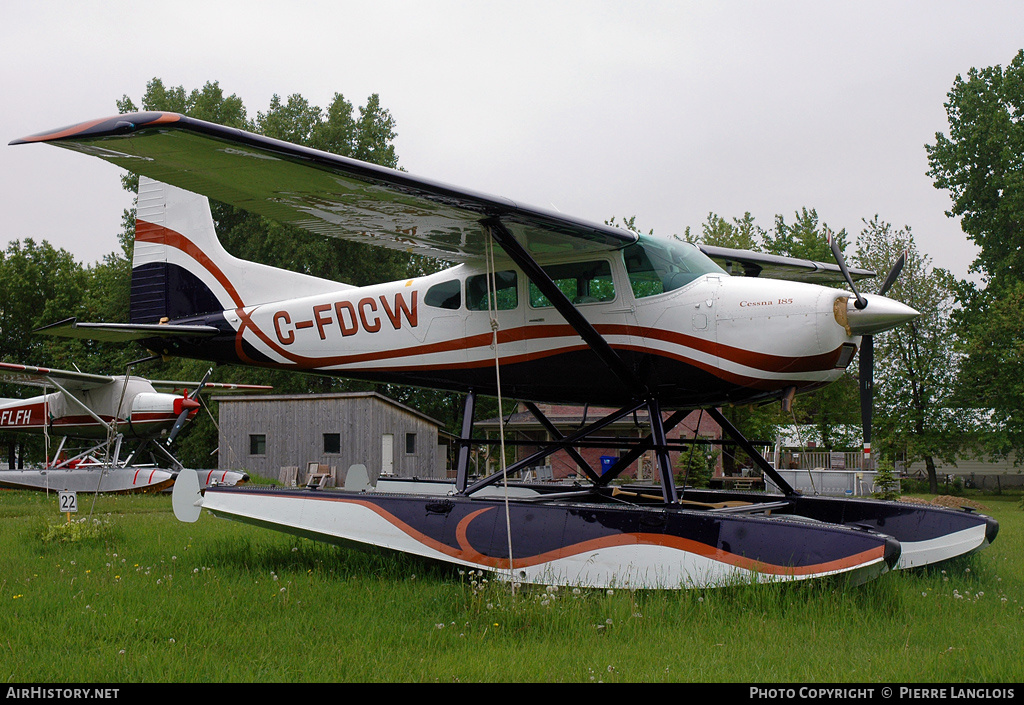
<point>111,412</point>
<point>539,307</point>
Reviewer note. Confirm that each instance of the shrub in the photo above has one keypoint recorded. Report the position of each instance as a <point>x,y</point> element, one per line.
<point>886,481</point>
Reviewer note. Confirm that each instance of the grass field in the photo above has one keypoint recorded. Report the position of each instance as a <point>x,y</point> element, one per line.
<point>132,596</point>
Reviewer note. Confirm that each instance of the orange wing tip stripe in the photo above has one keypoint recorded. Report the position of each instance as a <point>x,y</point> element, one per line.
<point>115,123</point>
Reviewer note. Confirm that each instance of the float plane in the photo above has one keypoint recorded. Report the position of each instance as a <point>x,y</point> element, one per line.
<point>110,413</point>
<point>537,306</point>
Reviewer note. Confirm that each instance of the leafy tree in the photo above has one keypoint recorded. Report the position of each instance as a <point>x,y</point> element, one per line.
<point>915,364</point>
<point>41,284</point>
<point>981,164</point>
<point>992,386</point>
<point>805,237</point>
<point>741,233</point>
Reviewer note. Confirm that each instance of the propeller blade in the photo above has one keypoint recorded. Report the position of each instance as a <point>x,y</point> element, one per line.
<point>867,387</point>
<point>187,404</point>
<point>890,278</point>
<point>179,424</point>
<point>841,261</point>
<point>202,383</point>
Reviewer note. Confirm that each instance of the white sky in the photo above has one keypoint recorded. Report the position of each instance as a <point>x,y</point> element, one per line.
<point>662,110</point>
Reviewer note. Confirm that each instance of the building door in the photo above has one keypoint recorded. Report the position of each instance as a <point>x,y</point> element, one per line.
<point>387,454</point>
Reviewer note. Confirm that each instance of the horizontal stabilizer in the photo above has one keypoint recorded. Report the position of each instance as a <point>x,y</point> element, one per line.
<point>123,332</point>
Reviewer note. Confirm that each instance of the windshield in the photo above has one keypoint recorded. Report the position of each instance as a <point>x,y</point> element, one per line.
<point>657,266</point>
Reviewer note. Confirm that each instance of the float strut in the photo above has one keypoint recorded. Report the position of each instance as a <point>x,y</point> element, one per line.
<point>462,469</point>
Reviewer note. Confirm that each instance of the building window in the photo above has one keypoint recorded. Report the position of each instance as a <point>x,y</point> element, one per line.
<point>257,444</point>
<point>332,443</point>
<point>410,443</point>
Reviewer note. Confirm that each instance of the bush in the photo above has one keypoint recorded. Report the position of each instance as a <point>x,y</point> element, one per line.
<point>84,529</point>
<point>696,466</point>
<point>886,481</point>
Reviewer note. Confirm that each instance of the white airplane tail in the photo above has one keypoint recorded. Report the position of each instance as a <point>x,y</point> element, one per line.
<point>180,269</point>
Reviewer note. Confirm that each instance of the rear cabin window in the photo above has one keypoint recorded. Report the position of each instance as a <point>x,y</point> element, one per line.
<point>444,295</point>
<point>655,268</point>
<point>506,295</point>
<point>581,282</point>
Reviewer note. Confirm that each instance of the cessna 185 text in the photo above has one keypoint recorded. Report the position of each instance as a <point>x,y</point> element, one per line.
<point>539,307</point>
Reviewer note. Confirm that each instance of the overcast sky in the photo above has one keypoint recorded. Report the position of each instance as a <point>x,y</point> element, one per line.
<point>662,110</point>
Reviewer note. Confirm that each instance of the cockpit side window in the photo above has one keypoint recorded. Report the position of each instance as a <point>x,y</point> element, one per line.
<point>444,295</point>
<point>581,282</point>
<point>654,268</point>
<point>505,296</point>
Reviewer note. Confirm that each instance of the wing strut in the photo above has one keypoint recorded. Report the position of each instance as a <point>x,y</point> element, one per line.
<point>749,449</point>
<point>462,468</point>
<point>601,348</point>
<point>668,484</point>
<point>564,306</point>
<point>557,435</point>
<point>565,442</point>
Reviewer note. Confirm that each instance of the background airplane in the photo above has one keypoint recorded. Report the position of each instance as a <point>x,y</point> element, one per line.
<point>112,413</point>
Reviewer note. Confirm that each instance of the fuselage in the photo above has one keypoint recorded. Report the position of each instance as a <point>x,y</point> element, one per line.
<point>693,334</point>
<point>131,406</point>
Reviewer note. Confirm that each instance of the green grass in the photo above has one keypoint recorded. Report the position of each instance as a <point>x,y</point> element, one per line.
<point>136,597</point>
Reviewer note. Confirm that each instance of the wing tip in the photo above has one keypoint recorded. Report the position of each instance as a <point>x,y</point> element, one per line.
<point>103,127</point>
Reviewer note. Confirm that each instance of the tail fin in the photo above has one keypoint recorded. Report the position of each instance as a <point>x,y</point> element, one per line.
<point>180,269</point>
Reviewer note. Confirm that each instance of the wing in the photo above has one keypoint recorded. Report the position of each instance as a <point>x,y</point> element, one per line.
<point>170,385</point>
<point>322,192</point>
<point>45,377</point>
<point>757,264</point>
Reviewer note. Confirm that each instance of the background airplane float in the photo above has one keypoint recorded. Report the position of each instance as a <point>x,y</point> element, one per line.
<point>112,414</point>
<point>540,307</point>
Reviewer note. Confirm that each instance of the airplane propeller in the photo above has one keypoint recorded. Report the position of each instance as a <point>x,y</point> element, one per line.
<point>867,361</point>
<point>188,408</point>
<point>867,347</point>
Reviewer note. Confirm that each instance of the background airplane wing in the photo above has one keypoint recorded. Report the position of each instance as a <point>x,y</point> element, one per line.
<point>322,192</point>
<point>42,376</point>
<point>757,264</point>
<point>170,385</point>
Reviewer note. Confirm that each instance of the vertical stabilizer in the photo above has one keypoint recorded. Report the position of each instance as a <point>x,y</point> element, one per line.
<point>180,269</point>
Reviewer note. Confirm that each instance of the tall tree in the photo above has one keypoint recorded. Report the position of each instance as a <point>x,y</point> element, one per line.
<point>805,237</point>
<point>741,234</point>
<point>915,364</point>
<point>41,284</point>
<point>981,164</point>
